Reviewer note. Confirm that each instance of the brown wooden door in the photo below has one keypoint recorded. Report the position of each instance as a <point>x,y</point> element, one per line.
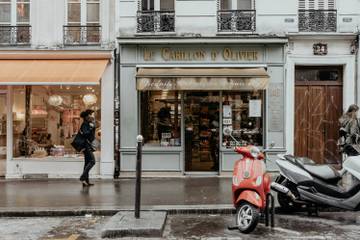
<point>318,106</point>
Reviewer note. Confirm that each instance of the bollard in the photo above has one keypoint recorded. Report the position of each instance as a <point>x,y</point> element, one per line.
<point>139,140</point>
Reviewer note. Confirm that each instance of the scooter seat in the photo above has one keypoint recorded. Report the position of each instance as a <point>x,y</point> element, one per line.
<point>324,172</point>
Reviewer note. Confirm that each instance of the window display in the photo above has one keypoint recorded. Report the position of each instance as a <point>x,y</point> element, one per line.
<point>46,119</point>
<point>161,118</point>
<point>242,111</point>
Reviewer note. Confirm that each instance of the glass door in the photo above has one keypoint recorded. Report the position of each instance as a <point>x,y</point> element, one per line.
<point>201,116</point>
<point>3,115</point>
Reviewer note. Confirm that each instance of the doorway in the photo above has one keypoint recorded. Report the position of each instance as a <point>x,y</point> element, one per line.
<point>3,117</point>
<point>201,117</point>
<point>318,107</point>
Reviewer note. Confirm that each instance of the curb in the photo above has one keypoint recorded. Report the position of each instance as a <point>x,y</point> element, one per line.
<point>101,211</point>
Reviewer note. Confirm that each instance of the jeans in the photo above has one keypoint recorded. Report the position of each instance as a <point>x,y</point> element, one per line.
<point>89,163</point>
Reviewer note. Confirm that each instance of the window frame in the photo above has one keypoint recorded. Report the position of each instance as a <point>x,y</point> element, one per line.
<point>234,5</point>
<point>13,12</point>
<point>83,12</point>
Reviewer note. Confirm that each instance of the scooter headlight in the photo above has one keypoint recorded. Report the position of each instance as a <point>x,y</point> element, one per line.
<point>254,151</point>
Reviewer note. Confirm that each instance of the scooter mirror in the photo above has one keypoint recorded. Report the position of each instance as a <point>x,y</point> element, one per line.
<point>227,131</point>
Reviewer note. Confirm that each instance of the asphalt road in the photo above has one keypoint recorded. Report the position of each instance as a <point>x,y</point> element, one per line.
<point>334,225</point>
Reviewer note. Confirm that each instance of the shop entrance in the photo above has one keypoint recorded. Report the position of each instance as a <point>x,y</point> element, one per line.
<point>318,107</point>
<point>2,133</point>
<point>201,118</point>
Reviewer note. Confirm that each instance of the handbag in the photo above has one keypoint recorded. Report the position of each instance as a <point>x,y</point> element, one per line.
<point>79,142</point>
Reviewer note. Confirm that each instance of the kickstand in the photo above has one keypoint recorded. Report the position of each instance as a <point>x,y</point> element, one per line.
<point>270,210</point>
<point>313,210</point>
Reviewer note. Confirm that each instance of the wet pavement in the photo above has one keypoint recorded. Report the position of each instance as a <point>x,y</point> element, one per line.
<point>335,225</point>
<point>113,193</point>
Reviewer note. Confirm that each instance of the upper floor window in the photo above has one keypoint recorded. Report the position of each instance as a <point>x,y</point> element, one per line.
<point>83,22</point>
<point>14,22</point>
<point>317,16</point>
<point>156,16</point>
<point>236,16</point>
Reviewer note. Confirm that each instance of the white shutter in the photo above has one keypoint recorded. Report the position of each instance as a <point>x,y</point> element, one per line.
<point>316,4</point>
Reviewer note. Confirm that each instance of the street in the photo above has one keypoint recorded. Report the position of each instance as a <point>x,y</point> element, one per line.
<point>330,225</point>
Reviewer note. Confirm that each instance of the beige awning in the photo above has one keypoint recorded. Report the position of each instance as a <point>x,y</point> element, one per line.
<point>52,68</point>
<point>245,79</point>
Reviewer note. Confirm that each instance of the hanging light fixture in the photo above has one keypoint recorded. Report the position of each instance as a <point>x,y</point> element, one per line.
<point>89,99</point>
<point>55,100</point>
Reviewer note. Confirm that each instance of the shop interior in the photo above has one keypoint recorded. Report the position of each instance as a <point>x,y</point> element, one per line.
<point>46,119</point>
<point>162,111</point>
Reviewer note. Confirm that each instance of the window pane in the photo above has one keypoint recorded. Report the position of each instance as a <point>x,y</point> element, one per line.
<point>242,111</point>
<point>23,13</point>
<point>7,1</point>
<point>147,5</point>
<point>93,12</point>
<point>244,4</point>
<point>3,114</point>
<point>5,14</point>
<point>166,5</point>
<point>74,12</point>
<point>225,4</point>
<point>161,118</point>
<point>46,119</point>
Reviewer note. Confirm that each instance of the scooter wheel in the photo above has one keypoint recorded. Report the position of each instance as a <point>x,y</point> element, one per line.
<point>247,217</point>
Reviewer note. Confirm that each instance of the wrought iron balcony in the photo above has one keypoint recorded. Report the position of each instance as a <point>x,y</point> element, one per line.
<point>155,21</point>
<point>15,35</point>
<point>82,35</point>
<point>317,20</point>
<point>236,20</point>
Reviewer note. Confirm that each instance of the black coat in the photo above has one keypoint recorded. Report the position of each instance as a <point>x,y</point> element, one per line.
<point>87,130</point>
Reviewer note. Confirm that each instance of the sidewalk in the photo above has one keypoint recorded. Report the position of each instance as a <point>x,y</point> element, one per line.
<point>40,197</point>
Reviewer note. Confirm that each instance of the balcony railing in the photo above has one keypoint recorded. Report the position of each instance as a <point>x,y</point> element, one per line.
<point>15,35</point>
<point>236,20</point>
<point>82,35</point>
<point>317,20</point>
<point>155,21</point>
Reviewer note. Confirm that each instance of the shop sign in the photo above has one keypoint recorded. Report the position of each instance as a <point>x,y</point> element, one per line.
<point>254,108</point>
<point>192,55</point>
<point>276,107</point>
<point>202,83</point>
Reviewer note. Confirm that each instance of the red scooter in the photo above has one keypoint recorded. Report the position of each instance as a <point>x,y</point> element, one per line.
<point>251,189</point>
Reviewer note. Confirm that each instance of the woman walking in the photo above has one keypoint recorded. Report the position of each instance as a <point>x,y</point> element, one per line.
<point>351,131</point>
<point>87,130</point>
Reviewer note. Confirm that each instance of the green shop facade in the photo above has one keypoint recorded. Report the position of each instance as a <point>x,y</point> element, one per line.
<point>180,93</point>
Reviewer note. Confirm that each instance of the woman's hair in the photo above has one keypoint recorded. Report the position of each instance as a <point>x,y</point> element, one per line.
<point>352,108</point>
<point>86,113</point>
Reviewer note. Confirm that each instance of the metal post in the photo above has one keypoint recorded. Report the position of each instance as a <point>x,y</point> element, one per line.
<point>139,140</point>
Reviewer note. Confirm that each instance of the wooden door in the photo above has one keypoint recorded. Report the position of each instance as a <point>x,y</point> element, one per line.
<point>318,106</point>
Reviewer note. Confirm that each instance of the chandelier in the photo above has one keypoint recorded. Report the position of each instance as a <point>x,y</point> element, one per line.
<point>55,100</point>
<point>89,99</point>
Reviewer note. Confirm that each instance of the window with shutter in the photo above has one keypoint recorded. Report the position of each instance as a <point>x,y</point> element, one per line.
<point>316,4</point>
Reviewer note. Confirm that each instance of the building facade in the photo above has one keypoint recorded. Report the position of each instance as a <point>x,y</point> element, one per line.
<point>56,60</point>
<point>278,73</point>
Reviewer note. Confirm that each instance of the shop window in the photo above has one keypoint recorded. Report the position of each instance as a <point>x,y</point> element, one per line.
<point>161,118</point>
<point>46,119</point>
<point>243,113</point>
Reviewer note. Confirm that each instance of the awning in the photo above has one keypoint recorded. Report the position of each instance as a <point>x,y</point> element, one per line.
<point>52,68</point>
<point>245,79</point>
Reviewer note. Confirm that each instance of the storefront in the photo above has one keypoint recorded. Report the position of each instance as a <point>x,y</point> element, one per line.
<point>186,92</point>
<point>42,96</point>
